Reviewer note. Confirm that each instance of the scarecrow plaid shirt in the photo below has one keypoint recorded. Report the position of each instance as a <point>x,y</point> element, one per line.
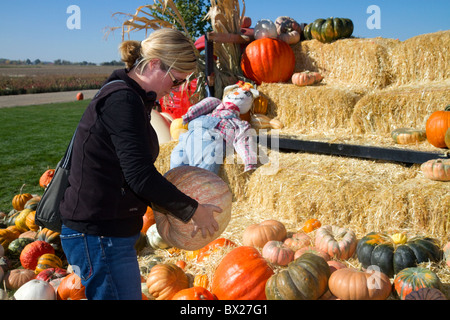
<point>235,132</point>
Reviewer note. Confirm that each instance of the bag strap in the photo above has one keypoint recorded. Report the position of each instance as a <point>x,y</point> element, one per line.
<point>66,161</point>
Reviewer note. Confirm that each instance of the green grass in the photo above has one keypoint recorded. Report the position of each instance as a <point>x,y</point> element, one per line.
<point>32,140</point>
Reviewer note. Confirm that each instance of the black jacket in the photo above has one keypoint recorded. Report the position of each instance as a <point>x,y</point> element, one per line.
<point>113,178</point>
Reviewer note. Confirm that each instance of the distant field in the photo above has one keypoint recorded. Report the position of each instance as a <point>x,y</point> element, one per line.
<point>51,78</point>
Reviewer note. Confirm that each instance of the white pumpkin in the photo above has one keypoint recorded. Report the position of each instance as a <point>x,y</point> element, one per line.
<point>265,28</point>
<point>35,290</point>
<point>154,239</point>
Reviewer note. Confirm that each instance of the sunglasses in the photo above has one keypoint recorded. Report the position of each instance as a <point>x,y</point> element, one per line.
<point>175,82</point>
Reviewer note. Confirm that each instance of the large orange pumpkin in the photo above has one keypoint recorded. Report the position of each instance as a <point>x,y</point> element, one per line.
<point>268,60</point>
<point>437,126</point>
<point>241,275</point>
<point>205,187</point>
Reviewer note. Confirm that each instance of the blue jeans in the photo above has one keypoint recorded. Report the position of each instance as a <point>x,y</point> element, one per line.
<point>107,266</point>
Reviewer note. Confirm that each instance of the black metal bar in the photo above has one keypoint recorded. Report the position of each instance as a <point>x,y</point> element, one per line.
<point>209,65</point>
<point>349,150</point>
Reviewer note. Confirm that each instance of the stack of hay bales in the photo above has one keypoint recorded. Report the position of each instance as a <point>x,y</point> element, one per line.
<point>370,87</point>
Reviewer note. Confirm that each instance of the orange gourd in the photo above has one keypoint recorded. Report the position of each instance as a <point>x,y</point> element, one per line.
<point>46,177</point>
<point>241,275</point>
<point>306,78</point>
<point>257,235</point>
<point>166,279</point>
<point>268,60</point>
<point>311,225</point>
<point>71,288</point>
<point>207,188</point>
<point>194,293</point>
<point>436,127</point>
<point>19,200</point>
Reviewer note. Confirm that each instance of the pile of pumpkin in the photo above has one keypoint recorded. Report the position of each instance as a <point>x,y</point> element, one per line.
<point>270,264</point>
<point>32,263</point>
<point>307,265</point>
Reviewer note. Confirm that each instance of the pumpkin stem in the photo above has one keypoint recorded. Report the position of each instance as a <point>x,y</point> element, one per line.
<point>20,191</point>
<point>447,108</point>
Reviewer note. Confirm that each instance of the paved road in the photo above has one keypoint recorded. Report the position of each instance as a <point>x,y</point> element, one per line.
<point>42,98</point>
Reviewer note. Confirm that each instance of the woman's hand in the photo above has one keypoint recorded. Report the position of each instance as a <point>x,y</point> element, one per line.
<point>203,219</point>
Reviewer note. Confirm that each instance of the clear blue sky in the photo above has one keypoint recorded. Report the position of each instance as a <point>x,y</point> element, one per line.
<point>31,29</point>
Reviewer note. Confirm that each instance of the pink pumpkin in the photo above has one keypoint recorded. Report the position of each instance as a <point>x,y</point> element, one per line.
<point>339,243</point>
<point>205,187</point>
<point>277,253</point>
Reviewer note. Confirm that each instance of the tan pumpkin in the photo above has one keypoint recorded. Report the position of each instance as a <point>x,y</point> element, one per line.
<point>408,135</point>
<point>436,169</point>
<point>257,235</point>
<point>165,280</point>
<point>352,284</point>
<point>15,278</point>
<point>205,187</point>
<point>339,243</point>
<point>313,250</point>
<point>306,78</point>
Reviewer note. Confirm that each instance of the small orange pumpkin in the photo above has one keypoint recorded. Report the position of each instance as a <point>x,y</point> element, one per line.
<point>311,225</point>
<point>80,96</point>
<point>306,78</point>
<point>436,127</point>
<point>201,280</point>
<point>19,200</point>
<point>148,220</point>
<point>46,177</point>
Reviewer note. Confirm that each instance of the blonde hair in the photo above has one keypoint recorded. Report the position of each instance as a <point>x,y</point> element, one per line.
<point>170,46</point>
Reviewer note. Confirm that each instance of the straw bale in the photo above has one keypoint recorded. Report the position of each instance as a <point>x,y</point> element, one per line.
<point>351,192</point>
<point>311,107</point>
<point>406,106</point>
<point>422,58</point>
<point>360,64</point>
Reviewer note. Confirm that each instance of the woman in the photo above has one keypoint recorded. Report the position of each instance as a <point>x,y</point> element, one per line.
<point>113,178</point>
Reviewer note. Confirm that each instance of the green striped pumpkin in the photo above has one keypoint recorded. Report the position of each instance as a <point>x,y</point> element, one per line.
<point>413,279</point>
<point>48,260</point>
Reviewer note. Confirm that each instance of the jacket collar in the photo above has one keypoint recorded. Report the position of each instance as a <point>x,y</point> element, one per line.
<point>149,98</point>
